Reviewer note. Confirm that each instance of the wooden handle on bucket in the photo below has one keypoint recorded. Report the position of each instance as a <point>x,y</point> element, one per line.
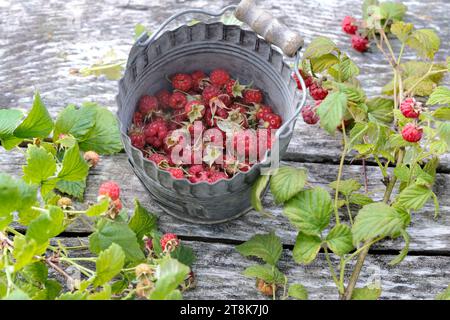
<point>270,28</point>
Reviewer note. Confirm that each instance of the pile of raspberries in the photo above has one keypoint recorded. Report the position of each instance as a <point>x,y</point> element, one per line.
<point>199,100</point>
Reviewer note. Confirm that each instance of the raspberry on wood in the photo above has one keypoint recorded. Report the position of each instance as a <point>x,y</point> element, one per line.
<point>110,189</point>
<point>92,158</point>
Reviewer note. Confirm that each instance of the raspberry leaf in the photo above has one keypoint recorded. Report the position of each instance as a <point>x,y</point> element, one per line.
<point>98,208</point>
<point>360,199</point>
<point>76,122</point>
<point>425,42</point>
<point>257,189</point>
<point>108,264</point>
<point>40,166</point>
<point>414,197</point>
<point>402,30</point>
<point>319,47</point>
<point>306,248</point>
<point>298,291</point>
<point>286,182</point>
<point>142,222</point>
<point>37,124</point>
<point>442,113</point>
<point>346,187</point>
<point>310,210</point>
<point>24,251</point>
<point>48,225</point>
<point>170,274</point>
<point>380,110</point>
<point>340,240</point>
<point>331,111</point>
<point>366,293</point>
<point>377,220</point>
<point>9,120</point>
<point>267,272</point>
<point>404,252</point>
<point>72,188</point>
<point>324,62</point>
<point>265,246</point>
<point>440,95</point>
<point>393,10</point>
<point>183,254</point>
<point>116,232</point>
<point>74,167</point>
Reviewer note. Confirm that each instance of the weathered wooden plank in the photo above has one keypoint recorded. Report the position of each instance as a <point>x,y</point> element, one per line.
<point>219,274</point>
<point>427,234</point>
<point>41,42</point>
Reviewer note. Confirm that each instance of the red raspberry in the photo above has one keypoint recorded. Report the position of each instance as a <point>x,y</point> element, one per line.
<point>215,176</point>
<point>410,108</point>
<point>176,173</point>
<point>117,204</point>
<point>210,120</point>
<point>234,88</point>
<point>158,159</point>
<point>360,44</point>
<point>219,77</point>
<point>197,80</point>
<point>349,25</point>
<point>155,133</point>
<point>262,111</point>
<point>210,92</point>
<point>163,97</point>
<point>195,110</point>
<point>309,115</point>
<point>317,92</point>
<point>110,189</point>
<point>273,121</point>
<point>412,133</point>
<point>138,119</point>
<point>169,242</point>
<point>200,177</point>
<point>92,158</point>
<point>253,96</point>
<point>182,82</point>
<point>148,105</point>
<point>195,169</point>
<point>307,78</point>
<point>137,138</point>
<point>177,100</point>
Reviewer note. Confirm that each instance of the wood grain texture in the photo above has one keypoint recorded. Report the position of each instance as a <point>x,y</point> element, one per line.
<point>427,234</point>
<point>219,270</point>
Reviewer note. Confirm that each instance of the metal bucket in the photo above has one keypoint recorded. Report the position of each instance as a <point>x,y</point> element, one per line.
<point>247,57</point>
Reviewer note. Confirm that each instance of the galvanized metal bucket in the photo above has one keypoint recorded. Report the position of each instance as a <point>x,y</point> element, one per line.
<point>202,46</point>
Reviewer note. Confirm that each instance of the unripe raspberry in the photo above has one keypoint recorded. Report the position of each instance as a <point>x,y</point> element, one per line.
<point>410,108</point>
<point>143,269</point>
<point>144,288</point>
<point>92,158</point>
<point>64,202</point>
<point>360,44</point>
<point>412,133</point>
<point>110,189</point>
<point>349,25</point>
<point>169,242</point>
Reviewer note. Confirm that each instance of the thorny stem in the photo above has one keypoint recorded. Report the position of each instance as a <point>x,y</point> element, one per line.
<point>330,266</point>
<point>57,268</point>
<point>347,204</point>
<point>341,166</point>
<point>366,180</point>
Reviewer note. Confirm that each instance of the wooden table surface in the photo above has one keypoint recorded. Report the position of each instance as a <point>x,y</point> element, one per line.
<point>41,41</point>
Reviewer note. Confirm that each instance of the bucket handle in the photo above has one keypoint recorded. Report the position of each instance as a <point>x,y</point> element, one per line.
<point>264,24</point>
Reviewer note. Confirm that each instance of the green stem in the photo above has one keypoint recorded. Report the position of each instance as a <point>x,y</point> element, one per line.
<point>341,166</point>
<point>347,204</point>
<point>332,271</point>
<point>342,264</point>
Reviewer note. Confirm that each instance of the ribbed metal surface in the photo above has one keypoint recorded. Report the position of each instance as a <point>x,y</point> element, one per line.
<point>204,47</point>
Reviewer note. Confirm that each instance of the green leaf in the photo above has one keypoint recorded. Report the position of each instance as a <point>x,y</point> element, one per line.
<point>310,210</point>
<point>440,95</point>
<point>381,110</point>
<point>393,10</point>
<point>267,272</point>
<point>17,294</point>
<point>360,199</point>
<point>404,252</point>
<point>109,66</point>
<point>75,121</point>
<point>104,137</point>
<point>402,30</point>
<point>444,295</point>
<point>265,246</point>
<point>286,182</point>
<point>324,62</point>
<point>98,208</point>
<point>40,165</point>
<point>346,187</point>
<point>414,197</point>
<point>37,124</point>
<point>9,120</point>
<point>340,240</point>
<point>442,113</point>
<point>298,291</point>
<point>365,7</point>
<point>376,220</point>
<point>74,167</point>
<point>139,29</point>
<point>77,295</point>
<point>24,251</point>
<point>109,263</point>
<point>142,223</point>
<point>170,274</point>
<point>257,189</point>
<point>366,293</point>
<point>331,111</point>
<point>184,254</point>
<point>425,42</point>
<point>306,248</point>
<point>15,195</point>
<point>318,47</point>
<point>48,225</point>
<point>72,188</point>
<point>346,69</point>
<point>116,232</point>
